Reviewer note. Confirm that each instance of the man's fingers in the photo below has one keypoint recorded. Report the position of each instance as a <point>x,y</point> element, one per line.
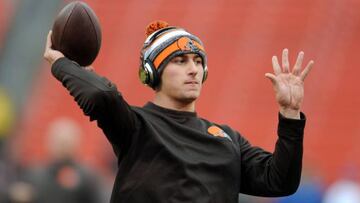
<point>50,54</point>
<point>276,66</point>
<point>48,40</point>
<point>299,60</point>
<point>306,71</point>
<point>272,77</point>
<point>285,61</point>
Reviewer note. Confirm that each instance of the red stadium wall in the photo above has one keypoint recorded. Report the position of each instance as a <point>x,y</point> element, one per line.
<point>240,38</point>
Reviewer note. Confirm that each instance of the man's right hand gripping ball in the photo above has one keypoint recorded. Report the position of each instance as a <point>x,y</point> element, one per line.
<point>51,55</point>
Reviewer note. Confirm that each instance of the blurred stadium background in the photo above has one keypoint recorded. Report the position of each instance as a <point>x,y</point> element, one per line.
<point>240,37</point>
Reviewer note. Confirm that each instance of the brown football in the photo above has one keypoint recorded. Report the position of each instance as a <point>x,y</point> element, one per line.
<point>77,33</point>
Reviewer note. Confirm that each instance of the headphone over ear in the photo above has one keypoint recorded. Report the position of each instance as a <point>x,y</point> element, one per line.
<point>148,74</point>
<point>161,46</point>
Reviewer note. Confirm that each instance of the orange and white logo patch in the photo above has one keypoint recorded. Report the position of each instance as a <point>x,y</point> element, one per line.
<point>217,132</point>
<point>186,44</point>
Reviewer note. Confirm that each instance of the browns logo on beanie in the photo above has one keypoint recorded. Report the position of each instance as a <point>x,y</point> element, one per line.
<point>163,43</point>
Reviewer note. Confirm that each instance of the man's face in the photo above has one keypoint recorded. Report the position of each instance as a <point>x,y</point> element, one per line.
<point>181,79</point>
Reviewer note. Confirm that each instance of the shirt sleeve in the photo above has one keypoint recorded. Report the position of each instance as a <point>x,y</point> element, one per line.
<point>99,99</point>
<point>278,173</point>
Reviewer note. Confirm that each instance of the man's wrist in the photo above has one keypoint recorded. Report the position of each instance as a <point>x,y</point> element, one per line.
<point>57,57</point>
<point>290,113</point>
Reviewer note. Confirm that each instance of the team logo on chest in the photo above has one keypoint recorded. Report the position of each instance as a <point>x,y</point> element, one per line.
<point>218,132</point>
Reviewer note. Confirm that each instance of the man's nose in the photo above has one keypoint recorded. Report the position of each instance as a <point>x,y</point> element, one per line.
<point>192,69</point>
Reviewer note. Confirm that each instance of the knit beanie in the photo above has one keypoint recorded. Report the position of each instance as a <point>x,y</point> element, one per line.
<point>164,42</point>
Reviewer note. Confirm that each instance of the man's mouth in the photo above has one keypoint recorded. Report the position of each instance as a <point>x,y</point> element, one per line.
<point>195,82</point>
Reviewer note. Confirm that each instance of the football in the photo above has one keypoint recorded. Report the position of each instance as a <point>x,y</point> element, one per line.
<point>76,33</point>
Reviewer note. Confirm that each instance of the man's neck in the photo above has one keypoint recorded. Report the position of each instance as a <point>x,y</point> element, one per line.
<point>173,104</point>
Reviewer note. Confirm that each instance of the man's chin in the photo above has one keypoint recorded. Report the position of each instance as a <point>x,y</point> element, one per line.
<point>190,97</point>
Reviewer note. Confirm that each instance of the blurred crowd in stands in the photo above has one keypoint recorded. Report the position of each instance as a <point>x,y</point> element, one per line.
<point>61,179</point>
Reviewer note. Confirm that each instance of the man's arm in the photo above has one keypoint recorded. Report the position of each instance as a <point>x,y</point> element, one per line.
<point>277,174</point>
<point>95,95</point>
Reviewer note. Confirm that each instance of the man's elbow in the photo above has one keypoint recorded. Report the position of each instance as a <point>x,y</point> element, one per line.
<point>285,188</point>
<point>95,103</point>
<point>289,188</point>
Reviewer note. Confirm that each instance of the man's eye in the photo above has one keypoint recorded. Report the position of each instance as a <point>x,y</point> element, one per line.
<point>198,61</point>
<point>179,60</point>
